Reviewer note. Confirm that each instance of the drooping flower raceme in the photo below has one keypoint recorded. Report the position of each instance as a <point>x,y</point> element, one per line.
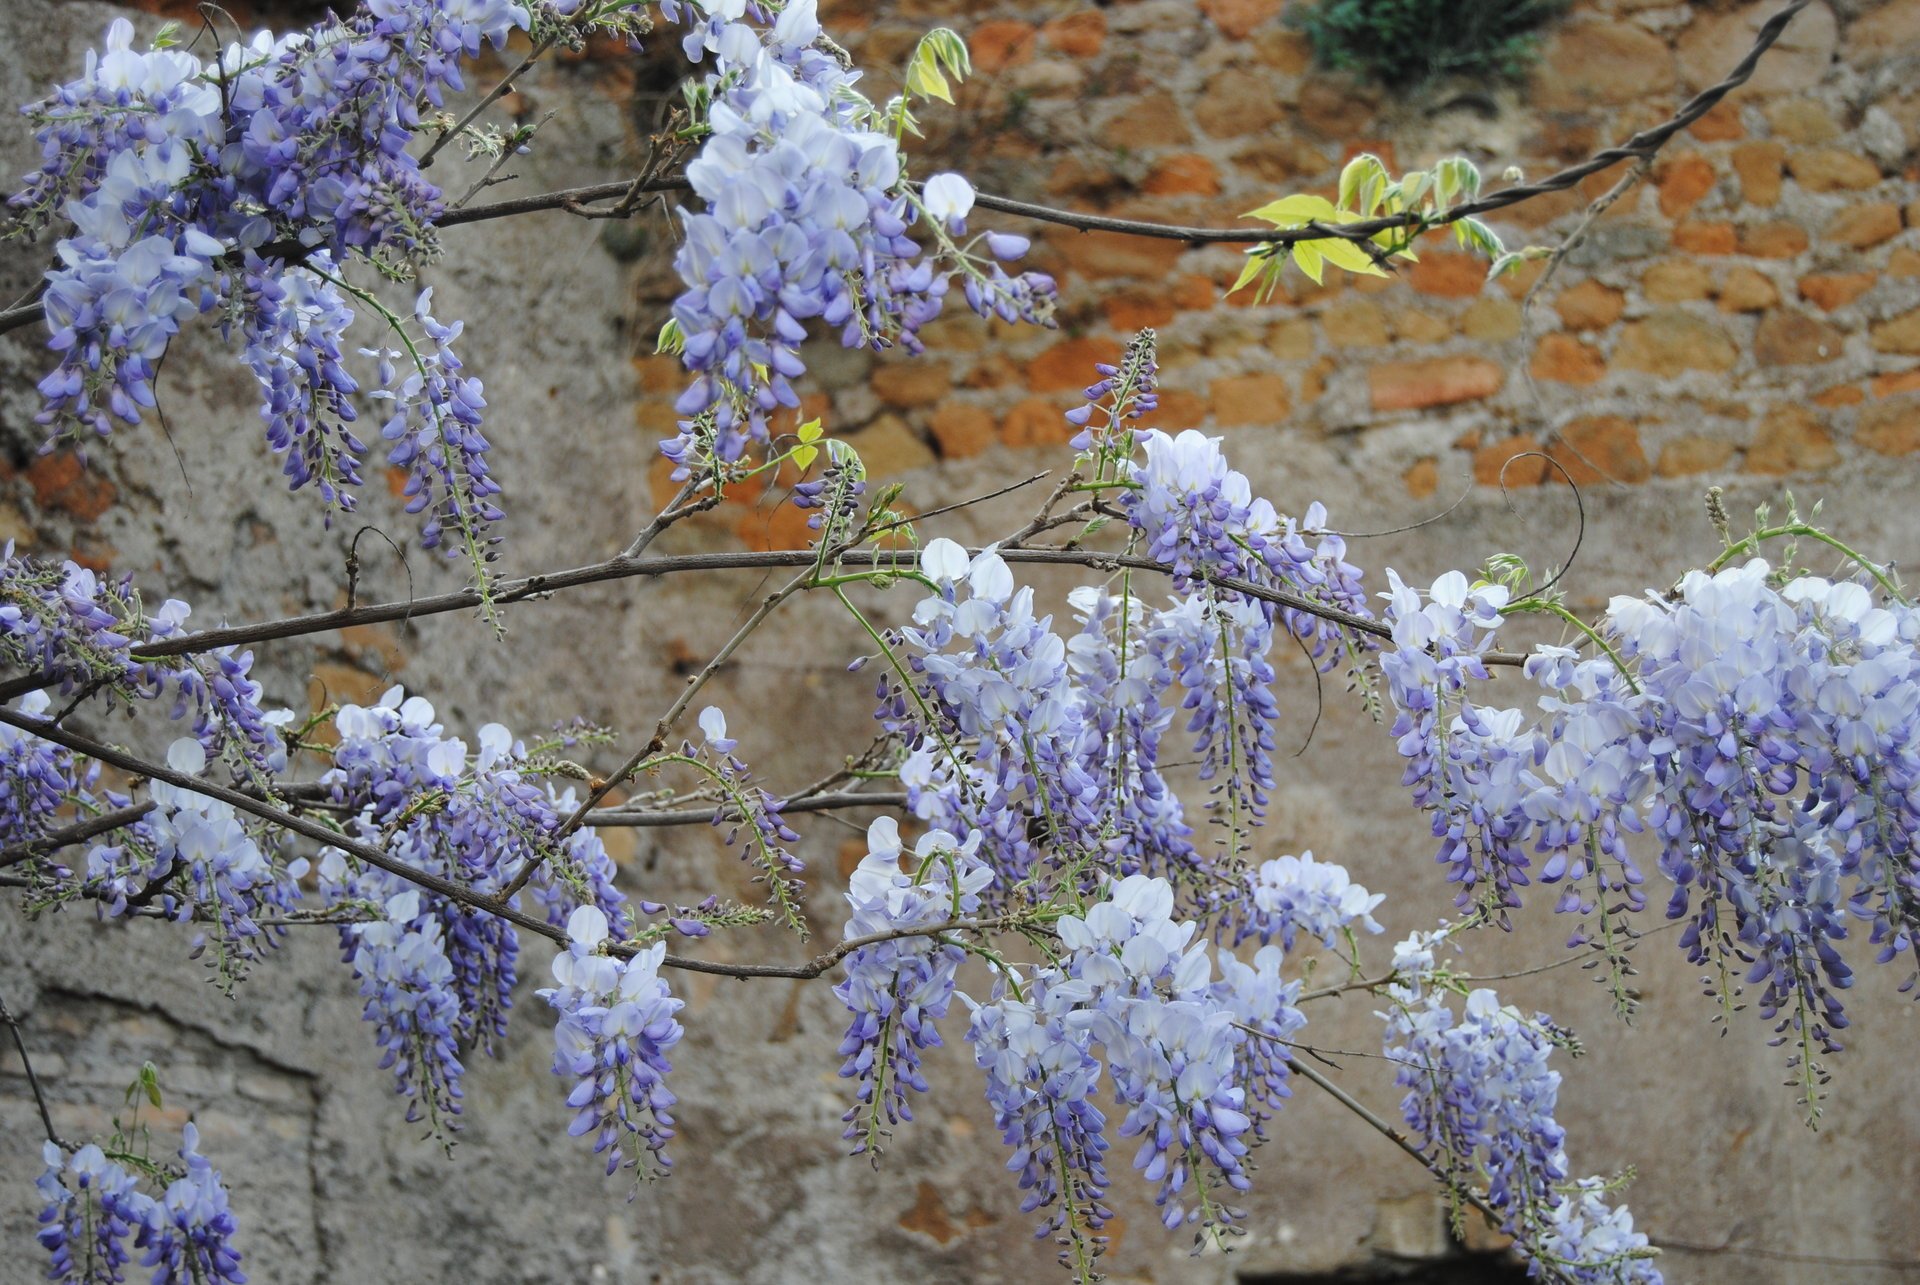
<point>1481,1100</point>
<point>898,990</point>
<point>1194,1062</point>
<point>91,1205</point>
<point>805,217</point>
<point>242,187</point>
<point>615,1027</point>
<point>1290,895</point>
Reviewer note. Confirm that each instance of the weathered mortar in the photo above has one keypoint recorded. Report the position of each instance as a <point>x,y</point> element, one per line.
<point>1748,316</point>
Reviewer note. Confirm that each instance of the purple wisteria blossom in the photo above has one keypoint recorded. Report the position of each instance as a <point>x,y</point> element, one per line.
<point>615,1028</point>
<point>898,990</point>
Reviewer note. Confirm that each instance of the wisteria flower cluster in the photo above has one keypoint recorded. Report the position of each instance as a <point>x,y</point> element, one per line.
<point>241,187</point>
<point>1481,1098</point>
<point>1192,1060</point>
<point>67,630</point>
<point>1758,727</point>
<point>616,1025</point>
<point>806,214</point>
<point>438,976</point>
<point>93,1204</point>
<point>898,989</point>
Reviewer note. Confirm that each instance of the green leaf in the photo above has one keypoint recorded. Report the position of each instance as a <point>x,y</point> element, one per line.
<point>1363,183</point>
<point>1256,264</point>
<point>670,338</point>
<point>940,54</point>
<point>1307,258</point>
<point>1348,255</point>
<point>1293,211</point>
<point>805,453</point>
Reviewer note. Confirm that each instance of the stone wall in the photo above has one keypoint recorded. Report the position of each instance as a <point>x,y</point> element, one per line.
<point>1747,317</point>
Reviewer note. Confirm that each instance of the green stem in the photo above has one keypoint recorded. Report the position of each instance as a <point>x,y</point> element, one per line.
<point>1859,559</point>
<point>1555,609</point>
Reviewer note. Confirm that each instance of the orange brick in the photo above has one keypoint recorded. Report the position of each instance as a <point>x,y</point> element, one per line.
<point>1791,440</point>
<point>1078,35</point>
<point>1746,290</point>
<point>1601,448</point>
<point>1151,121</point>
<point>1839,395</point>
<point>1449,275</point>
<point>911,383</point>
<point>961,429</point>
<point>1589,306</point>
<point>1789,338</point>
<point>1721,124</point>
<point>1683,181</point>
<point>1830,290</point>
<point>1891,428</point>
<point>1436,381</point>
<point>61,481</point>
<point>1037,421</point>
<point>1759,166</point>
<point>1237,18</point>
<point>1563,359</point>
<point>1832,169</point>
<point>1188,174</point>
<point>1676,281</point>
<point>1192,293</point>
<point>1905,381</point>
<point>1000,44</point>
<point>1422,478</point>
<point>1670,342</point>
<point>1069,364</point>
<point>1773,240</point>
<point>1132,309</point>
<point>1250,399</point>
<point>1095,256</point>
<point>1866,225</point>
<point>1498,463</point>
<point>1685,456</point>
<point>1899,335</point>
<point>1705,238</point>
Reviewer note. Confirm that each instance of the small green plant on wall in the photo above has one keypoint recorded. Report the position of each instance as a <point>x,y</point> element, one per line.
<point>1403,43</point>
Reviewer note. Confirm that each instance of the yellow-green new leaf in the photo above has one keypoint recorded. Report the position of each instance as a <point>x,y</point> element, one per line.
<point>1348,255</point>
<point>1307,258</point>
<point>805,453</point>
<point>1292,211</point>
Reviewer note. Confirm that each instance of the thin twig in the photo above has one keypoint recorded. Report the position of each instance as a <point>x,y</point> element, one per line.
<point>1396,1137</point>
<point>658,740</point>
<point>33,1081</point>
<point>500,90</point>
<point>640,818</point>
<point>466,896</point>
